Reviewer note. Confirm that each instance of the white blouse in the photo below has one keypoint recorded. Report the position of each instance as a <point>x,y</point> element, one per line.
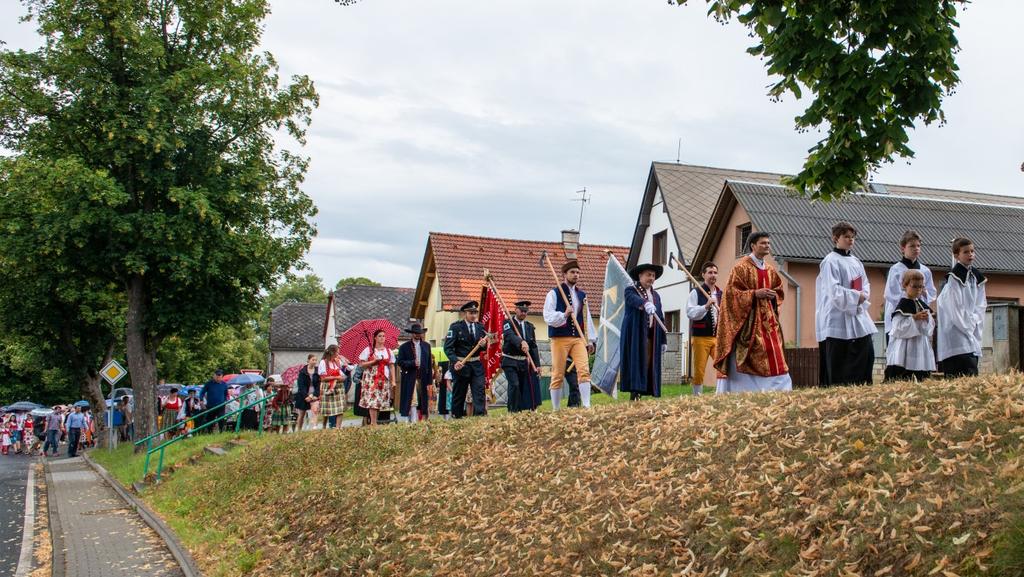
<point>379,355</point>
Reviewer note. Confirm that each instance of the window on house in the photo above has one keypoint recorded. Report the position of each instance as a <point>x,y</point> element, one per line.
<point>659,254</point>
<point>742,234</point>
<point>672,321</point>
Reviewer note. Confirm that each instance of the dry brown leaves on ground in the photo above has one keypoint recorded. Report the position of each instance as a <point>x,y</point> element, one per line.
<point>872,481</point>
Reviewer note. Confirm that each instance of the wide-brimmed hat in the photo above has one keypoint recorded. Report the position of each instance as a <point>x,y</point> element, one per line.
<point>570,265</point>
<point>471,306</point>
<point>416,329</point>
<point>657,268</point>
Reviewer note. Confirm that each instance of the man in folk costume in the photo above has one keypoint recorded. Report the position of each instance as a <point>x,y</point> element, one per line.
<point>416,364</point>
<point>565,339</point>
<point>519,343</point>
<point>703,313</point>
<point>961,314</point>
<point>642,338</point>
<point>843,325</point>
<point>749,346</point>
<point>467,373</point>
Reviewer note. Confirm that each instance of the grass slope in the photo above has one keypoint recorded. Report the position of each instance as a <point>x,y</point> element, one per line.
<point>919,479</point>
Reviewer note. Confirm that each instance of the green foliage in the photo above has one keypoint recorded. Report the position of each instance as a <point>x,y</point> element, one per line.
<point>150,129</point>
<point>300,289</point>
<point>193,360</point>
<point>355,281</point>
<point>873,68</point>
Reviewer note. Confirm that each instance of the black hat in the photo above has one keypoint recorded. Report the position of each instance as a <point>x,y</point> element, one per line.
<point>635,271</point>
<point>570,265</point>
<point>416,329</point>
<point>471,306</point>
<point>219,372</point>
<point>523,304</point>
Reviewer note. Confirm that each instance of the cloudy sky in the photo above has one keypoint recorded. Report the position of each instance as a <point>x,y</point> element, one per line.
<point>486,117</point>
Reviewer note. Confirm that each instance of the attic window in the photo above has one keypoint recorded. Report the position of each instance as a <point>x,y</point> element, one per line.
<point>659,250</point>
<point>742,234</point>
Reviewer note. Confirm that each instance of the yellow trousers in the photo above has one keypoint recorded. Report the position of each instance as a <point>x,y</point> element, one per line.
<point>702,348</point>
<point>561,349</point>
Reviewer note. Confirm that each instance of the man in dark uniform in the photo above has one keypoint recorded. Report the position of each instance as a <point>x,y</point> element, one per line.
<point>520,340</point>
<point>467,374</point>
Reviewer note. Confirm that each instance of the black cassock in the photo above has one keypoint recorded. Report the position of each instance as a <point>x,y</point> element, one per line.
<point>406,361</point>
<point>523,384</point>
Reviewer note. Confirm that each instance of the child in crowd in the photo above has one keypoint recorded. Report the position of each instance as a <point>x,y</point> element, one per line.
<point>909,354</point>
<point>961,312</point>
<point>5,436</point>
<point>910,246</point>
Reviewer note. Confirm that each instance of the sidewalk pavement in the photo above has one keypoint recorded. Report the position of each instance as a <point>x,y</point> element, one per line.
<point>96,532</point>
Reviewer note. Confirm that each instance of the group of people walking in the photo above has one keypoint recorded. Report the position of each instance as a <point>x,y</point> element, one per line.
<point>739,327</point>
<point>26,434</point>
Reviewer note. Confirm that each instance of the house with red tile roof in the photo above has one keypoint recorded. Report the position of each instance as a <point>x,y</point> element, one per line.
<point>453,266</point>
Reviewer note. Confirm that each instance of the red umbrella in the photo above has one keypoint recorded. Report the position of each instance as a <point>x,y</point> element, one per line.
<point>291,374</point>
<point>357,338</point>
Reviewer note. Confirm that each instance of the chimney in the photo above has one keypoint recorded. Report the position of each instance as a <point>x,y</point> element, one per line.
<point>570,243</point>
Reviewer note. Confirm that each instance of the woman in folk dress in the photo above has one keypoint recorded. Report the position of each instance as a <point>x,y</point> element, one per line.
<point>378,376</point>
<point>332,390</point>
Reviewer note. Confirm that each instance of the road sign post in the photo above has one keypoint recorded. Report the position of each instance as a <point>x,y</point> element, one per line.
<point>112,372</point>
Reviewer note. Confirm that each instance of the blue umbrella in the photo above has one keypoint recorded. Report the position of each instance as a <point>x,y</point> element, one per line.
<point>82,403</point>
<point>246,379</point>
<point>23,406</point>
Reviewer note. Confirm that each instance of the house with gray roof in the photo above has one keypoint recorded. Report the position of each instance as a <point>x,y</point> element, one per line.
<point>296,330</point>
<point>351,304</point>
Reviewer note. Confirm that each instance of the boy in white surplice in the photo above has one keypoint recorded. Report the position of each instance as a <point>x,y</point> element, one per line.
<point>909,354</point>
<point>961,312</point>
<point>843,327</point>
<point>910,246</point>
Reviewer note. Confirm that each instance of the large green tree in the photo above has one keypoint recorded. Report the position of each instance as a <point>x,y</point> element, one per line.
<point>170,109</point>
<point>874,68</point>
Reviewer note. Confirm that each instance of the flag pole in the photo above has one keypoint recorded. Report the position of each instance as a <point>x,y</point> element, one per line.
<point>682,267</point>
<point>501,302</point>
<point>545,258</point>
<point>612,256</point>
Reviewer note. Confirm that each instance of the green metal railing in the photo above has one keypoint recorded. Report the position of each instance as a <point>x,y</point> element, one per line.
<point>262,402</point>
<point>149,440</point>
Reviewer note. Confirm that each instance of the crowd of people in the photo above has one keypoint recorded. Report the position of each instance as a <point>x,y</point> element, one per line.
<point>25,433</point>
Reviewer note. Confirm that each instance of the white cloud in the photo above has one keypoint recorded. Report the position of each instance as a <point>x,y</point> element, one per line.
<point>484,117</point>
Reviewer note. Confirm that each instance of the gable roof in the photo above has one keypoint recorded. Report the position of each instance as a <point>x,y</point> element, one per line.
<point>357,303</point>
<point>691,194</point>
<point>297,326</point>
<point>458,261</point>
<point>801,230</point>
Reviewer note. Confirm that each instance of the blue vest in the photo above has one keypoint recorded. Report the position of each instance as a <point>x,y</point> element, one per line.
<point>569,328</point>
<point>705,327</point>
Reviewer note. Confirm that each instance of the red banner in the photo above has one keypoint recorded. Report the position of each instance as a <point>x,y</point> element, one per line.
<point>493,318</point>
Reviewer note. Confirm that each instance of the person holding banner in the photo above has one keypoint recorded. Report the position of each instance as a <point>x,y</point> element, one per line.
<point>749,342</point>
<point>519,342</point>
<point>464,338</point>
<point>642,337</point>
<point>564,309</point>
<point>703,314</point>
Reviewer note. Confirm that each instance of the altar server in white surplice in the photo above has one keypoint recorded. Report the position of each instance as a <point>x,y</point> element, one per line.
<point>910,246</point>
<point>961,312</point>
<point>909,354</point>
<point>843,326</point>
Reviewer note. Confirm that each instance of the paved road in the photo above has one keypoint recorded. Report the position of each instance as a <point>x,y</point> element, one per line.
<point>13,474</point>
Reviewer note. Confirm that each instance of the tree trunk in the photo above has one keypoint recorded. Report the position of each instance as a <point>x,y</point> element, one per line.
<point>141,359</point>
<point>93,392</point>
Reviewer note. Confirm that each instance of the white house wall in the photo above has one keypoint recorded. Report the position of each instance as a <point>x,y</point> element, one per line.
<point>673,285</point>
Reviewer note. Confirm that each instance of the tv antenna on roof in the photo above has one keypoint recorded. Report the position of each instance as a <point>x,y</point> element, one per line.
<point>679,150</point>
<point>583,200</point>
